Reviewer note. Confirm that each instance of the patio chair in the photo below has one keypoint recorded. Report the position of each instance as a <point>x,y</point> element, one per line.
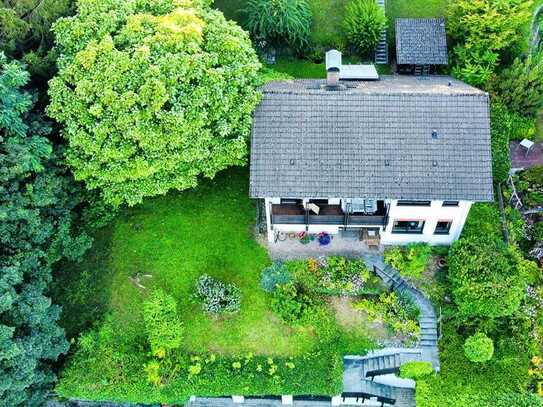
<point>527,145</point>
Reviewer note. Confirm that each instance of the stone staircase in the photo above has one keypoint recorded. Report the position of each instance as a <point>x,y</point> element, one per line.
<point>373,377</point>
<point>381,52</point>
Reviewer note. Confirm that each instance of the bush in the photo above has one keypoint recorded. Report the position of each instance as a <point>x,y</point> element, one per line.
<point>279,22</point>
<point>534,176</point>
<point>500,132</point>
<point>163,326</point>
<point>291,303</point>
<point>520,86</point>
<point>216,296</point>
<point>400,313</point>
<point>416,370</point>
<point>274,275</point>
<point>486,277</point>
<point>483,31</point>
<point>411,260</point>
<point>479,348</point>
<point>364,23</point>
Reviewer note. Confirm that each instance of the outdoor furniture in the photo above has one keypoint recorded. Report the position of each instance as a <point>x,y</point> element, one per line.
<point>527,145</point>
<point>314,208</point>
<point>371,237</point>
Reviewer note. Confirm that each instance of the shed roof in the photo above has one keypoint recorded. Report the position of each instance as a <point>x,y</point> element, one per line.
<point>398,138</point>
<point>421,41</point>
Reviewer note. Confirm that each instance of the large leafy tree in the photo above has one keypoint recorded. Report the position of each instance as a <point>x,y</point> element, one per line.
<point>520,86</point>
<point>25,29</point>
<point>483,30</point>
<point>152,94</point>
<point>37,199</point>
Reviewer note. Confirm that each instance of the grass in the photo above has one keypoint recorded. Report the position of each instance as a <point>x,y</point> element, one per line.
<point>175,239</point>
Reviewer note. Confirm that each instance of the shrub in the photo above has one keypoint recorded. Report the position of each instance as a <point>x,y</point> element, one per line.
<point>479,348</point>
<point>483,30</point>
<point>486,278</point>
<point>520,86</point>
<point>291,303</point>
<point>216,296</point>
<point>400,313</point>
<point>500,132</point>
<point>279,21</point>
<point>364,23</point>
<point>163,326</point>
<point>411,260</point>
<point>416,370</point>
<point>534,176</point>
<point>275,274</point>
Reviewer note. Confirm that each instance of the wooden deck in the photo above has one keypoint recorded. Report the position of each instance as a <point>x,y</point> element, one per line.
<point>521,160</point>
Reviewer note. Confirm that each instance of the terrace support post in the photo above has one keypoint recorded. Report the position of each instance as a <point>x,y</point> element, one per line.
<point>306,219</point>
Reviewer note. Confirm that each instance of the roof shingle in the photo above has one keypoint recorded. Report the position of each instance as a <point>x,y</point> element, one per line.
<point>311,142</point>
<point>421,41</point>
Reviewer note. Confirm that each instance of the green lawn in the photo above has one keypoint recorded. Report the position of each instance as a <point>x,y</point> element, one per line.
<point>176,239</point>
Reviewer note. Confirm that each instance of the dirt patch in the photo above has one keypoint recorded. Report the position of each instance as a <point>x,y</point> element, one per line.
<point>352,319</point>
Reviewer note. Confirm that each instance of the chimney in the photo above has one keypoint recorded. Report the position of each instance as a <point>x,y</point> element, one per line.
<point>332,77</point>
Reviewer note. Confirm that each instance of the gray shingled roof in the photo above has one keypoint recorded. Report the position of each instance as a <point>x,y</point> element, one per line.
<point>421,41</point>
<point>311,142</point>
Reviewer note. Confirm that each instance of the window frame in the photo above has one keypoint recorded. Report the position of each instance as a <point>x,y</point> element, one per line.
<point>409,202</point>
<point>443,232</point>
<point>451,204</point>
<point>418,231</point>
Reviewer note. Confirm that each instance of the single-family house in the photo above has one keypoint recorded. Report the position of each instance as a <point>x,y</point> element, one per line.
<point>402,158</point>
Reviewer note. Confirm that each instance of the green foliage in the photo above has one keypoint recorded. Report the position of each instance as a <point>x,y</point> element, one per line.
<point>479,348</point>
<point>163,327</point>
<point>327,27</point>
<point>291,303</point>
<point>520,86</point>
<point>364,22</point>
<point>275,274</point>
<point>416,370</point>
<point>37,228</point>
<point>25,31</point>
<point>534,176</point>
<point>279,22</point>
<point>500,131</point>
<point>334,276</point>
<point>216,296</point>
<point>486,278</point>
<point>411,260</point>
<point>499,382</point>
<point>483,30</point>
<point>483,220</point>
<point>398,312</point>
<point>153,96</point>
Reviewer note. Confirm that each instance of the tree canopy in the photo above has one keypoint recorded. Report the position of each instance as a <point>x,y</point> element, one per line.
<point>25,29</point>
<point>483,31</point>
<point>37,200</point>
<point>152,94</point>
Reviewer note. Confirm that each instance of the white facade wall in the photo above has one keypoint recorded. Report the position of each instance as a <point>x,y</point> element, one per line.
<point>429,214</point>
